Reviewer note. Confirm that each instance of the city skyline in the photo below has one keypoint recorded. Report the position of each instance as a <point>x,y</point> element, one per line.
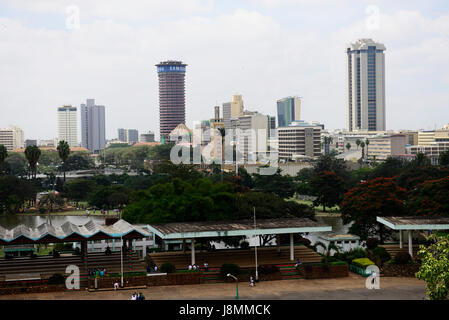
<point>112,56</point>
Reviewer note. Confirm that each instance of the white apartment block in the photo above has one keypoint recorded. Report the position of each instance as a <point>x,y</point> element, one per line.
<point>299,140</point>
<point>382,148</point>
<point>366,85</point>
<point>427,138</point>
<point>12,138</point>
<point>68,125</point>
<point>252,136</point>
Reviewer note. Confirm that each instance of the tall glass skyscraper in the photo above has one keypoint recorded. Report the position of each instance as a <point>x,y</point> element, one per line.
<point>288,110</point>
<point>172,107</point>
<point>366,86</point>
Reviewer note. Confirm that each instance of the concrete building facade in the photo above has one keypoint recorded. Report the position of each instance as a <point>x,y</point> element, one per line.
<point>147,137</point>
<point>299,140</point>
<point>12,138</point>
<point>382,148</point>
<point>68,125</point>
<point>93,130</point>
<point>366,86</point>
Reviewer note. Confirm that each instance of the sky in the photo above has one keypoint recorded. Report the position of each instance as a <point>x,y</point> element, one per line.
<point>59,52</point>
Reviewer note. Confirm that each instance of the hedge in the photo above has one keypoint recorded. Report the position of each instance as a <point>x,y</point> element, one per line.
<point>362,262</point>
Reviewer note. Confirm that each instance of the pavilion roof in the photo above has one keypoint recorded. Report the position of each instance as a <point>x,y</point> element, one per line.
<point>415,223</point>
<point>185,230</point>
<point>83,232</point>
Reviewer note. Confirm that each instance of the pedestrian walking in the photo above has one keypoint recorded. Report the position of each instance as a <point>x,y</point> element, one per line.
<point>115,286</point>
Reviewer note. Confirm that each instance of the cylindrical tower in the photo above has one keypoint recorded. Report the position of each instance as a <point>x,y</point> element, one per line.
<point>172,106</point>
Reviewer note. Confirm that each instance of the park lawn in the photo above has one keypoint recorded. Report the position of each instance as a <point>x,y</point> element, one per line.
<point>333,211</point>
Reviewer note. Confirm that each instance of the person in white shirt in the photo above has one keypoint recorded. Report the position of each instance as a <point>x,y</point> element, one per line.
<point>134,296</point>
<point>190,267</point>
<point>116,286</point>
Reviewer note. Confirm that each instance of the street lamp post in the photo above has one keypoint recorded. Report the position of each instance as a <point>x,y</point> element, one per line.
<point>255,243</point>
<point>121,261</point>
<point>236,285</point>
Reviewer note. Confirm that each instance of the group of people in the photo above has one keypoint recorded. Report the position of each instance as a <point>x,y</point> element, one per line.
<point>97,272</point>
<point>149,269</point>
<point>197,267</point>
<point>136,296</point>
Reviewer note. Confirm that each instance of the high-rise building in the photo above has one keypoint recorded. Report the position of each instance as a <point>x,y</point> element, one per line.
<point>172,109</point>
<point>122,135</point>
<point>68,125</point>
<point>11,138</point>
<point>366,86</point>
<point>129,136</point>
<point>93,132</point>
<point>147,137</point>
<point>253,137</point>
<point>289,110</point>
<point>232,110</point>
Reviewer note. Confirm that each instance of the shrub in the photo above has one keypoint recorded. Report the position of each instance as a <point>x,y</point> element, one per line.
<point>371,243</point>
<point>229,268</point>
<point>168,268</point>
<point>338,263</point>
<point>244,244</point>
<point>56,278</point>
<point>362,262</point>
<point>268,269</point>
<point>382,254</point>
<point>402,258</point>
<point>351,255</point>
<point>41,210</point>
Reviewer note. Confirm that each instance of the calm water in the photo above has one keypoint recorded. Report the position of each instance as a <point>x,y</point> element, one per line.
<point>10,222</point>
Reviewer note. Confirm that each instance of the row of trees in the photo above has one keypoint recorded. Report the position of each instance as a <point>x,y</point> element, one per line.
<point>26,164</point>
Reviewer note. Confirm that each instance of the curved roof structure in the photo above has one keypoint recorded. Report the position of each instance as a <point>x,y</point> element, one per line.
<point>70,232</point>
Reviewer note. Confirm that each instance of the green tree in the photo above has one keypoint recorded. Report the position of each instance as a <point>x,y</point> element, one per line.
<point>79,190</point>
<point>362,145</point>
<point>50,201</point>
<point>63,152</point>
<point>32,154</point>
<point>281,185</point>
<point>3,156</point>
<point>79,161</point>
<point>15,164</point>
<point>389,168</point>
<point>14,192</point>
<point>328,188</point>
<point>348,146</point>
<point>434,269</point>
<point>420,161</point>
<point>222,132</point>
<point>358,142</point>
<point>444,158</point>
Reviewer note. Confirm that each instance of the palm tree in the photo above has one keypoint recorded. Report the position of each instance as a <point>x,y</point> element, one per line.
<point>362,144</point>
<point>33,153</point>
<point>348,146</point>
<point>49,201</point>
<point>358,142</point>
<point>64,151</point>
<point>3,156</point>
<point>222,132</point>
<point>367,143</point>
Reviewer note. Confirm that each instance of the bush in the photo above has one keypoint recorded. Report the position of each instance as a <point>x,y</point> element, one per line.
<point>168,268</point>
<point>268,269</point>
<point>338,263</point>
<point>351,255</point>
<point>371,243</point>
<point>382,254</point>
<point>41,210</point>
<point>244,244</point>
<point>56,278</point>
<point>402,258</point>
<point>229,268</point>
<point>362,262</point>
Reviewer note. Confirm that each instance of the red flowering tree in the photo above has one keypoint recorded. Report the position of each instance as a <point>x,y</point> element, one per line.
<point>362,204</point>
<point>431,198</point>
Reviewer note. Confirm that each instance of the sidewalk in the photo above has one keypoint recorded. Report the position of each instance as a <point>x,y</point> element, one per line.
<point>352,287</point>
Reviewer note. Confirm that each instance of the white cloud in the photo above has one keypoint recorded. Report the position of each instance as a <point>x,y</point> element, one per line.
<point>244,51</point>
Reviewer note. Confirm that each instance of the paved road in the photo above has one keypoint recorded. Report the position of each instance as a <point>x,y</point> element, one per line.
<point>349,288</point>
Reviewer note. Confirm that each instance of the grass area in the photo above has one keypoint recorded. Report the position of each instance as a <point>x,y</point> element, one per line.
<point>333,211</point>
<point>43,251</point>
